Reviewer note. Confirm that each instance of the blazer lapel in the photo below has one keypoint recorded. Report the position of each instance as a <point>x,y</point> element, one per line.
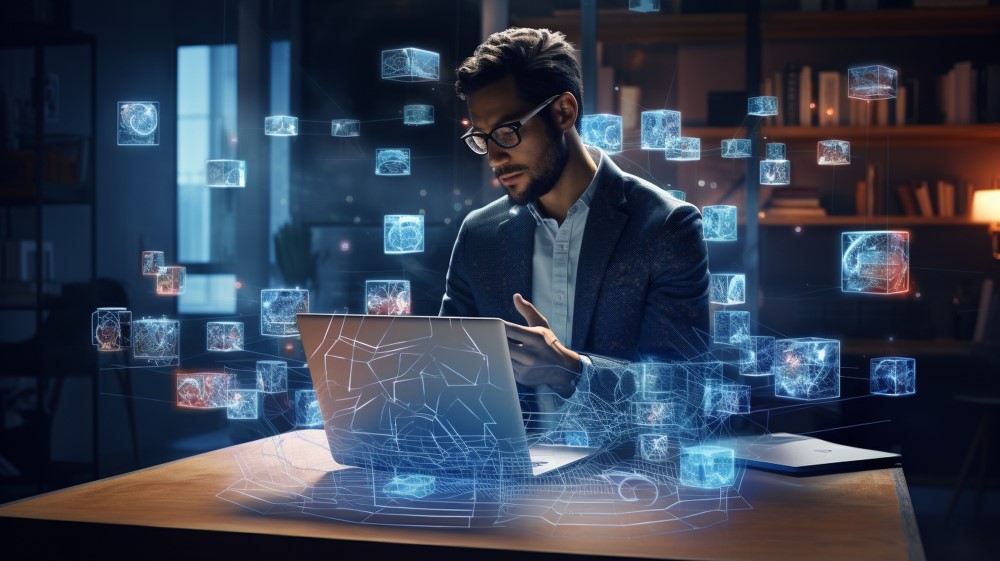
<point>516,237</point>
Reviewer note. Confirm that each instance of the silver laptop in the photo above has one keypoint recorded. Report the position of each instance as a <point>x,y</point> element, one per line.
<point>795,454</point>
<point>423,395</point>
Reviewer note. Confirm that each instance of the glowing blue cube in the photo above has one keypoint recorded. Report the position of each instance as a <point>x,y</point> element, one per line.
<point>756,356</point>
<point>203,390</point>
<point>156,339</point>
<point>171,281</point>
<point>272,376</point>
<point>644,5</point>
<point>657,127</point>
<point>281,125</point>
<point>876,262</point>
<point>224,336</point>
<point>727,288</point>
<point>242,404</point>
<point>871,82</point>
<point>307,413</point>
<point>387,297</point>
<point>392,161</point>
<point>654,448</point>
<point>410,65</point>
<point>674,384</point>
<point>418,115</point>
<point>138,123</point>
<point>731,327</point>
<point>731,399</point>
<point>775,172</point>
<point>707,467</point>
<point>226,173</point>
<point>576,438</point>
<point>603,131</point>
<point>345,127</point>
<point>679,195</point>
<point>111,329</point>
<point>833,153</point>
<point>151,262</point>
<point>719,223</point>
<point>411,486</point>
<point>403,233</point>
<point>682,149</point>
<point>655,413</point>
<point>807,368</point>
<point>774,151</point>
<point>278,307</point>
<point>893,375</point>
<point>736,148</point>
<point>762,106</point>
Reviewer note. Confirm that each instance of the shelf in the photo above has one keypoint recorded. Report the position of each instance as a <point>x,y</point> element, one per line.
<point>872,221</point>
<point>54,194</point>
<point>913,347</point>
<point>897,136</point>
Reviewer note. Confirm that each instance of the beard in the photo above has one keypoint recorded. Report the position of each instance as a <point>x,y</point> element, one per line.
<point>550,168</point>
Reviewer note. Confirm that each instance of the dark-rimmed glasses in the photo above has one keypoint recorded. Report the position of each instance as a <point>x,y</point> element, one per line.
<point>507,135</point>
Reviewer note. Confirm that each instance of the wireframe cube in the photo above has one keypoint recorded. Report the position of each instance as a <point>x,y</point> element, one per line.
<point>893,375</point>
<point>707,467</point>
<point>756,355</point>
<point>410,65</point>
<point>170,281</point>
<point>719,223</point>
<point>272,376</point>
<point>727,288</point>
<point>151,262</point>
<point>345,127</point>
<point>762,106</point>
<point>392,161</point>
<point>657,127</point>
<point>243,404</point>
<point>807,368</point>
<point>833,153</point>
<point>307,413</point>
<point>682,149</point>
<point>731,327</point>
<point>412,486</point>
<point>138,123</point>
<point>403,233</point>
<point>654,448</point>
<point>679,383</point>
<point>723,400</point>
<point>203,390</point>
<point>387,297</point>
<point>655,413</point>
<point>224,336</point>
<point>872,82</point>
<point>226,173</point>
<point>876,262</point>
<point>775,172</point>
<point>736,148</point>
<point>603,131</point>
<point>418,115</point>
<point>156,339</point>
<point>774,151</point>
<point>281,125</point>
<point>111,329</point>
<point>278,307</point>
<point>644,5</point>
<point>679,195</point>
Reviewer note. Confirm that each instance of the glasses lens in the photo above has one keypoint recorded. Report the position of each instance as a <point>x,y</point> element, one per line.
<point>476,143</point>
<point>506,137</point>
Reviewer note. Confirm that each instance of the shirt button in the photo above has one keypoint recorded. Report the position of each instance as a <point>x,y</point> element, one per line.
<point>559,298</point>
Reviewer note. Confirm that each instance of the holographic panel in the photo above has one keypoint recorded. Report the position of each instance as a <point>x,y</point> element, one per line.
<point>833,153</point>
<point>731,399</point>
<point>278,307</point>
<point>410,65</point>
<point>413,486</point>
<point>774,151</point>
<point>307,413</point>
<point>807,368</point>
<point>871,82</point>
<point>762,106</point>
<point>654,448</point>
<point>392,161</point>
<point>876,262</point>
<point>151,262</point>
<point>418,114</point>
<point>775,172</point>
<point>111,328</point>
<point>203,390</point>
<point>719,222</point>
<point>403,233</point>
<point>893,375</point>
<point>242,404</point>
<point>727,288</point>
<point>387,297</point>
<point>170,281</point>
<point>644,5</point>
<point>345,127</point>
<point>707,467</point>
<point>731,327</point>
<point>657,127</point>
<point>679,195</point>
<point>603,131</point>
<point>281,125</point>
<point>736,148</point>
<point>272,376</point>
<point>756,356</point>
<point>226,173</point>
<point>138,123</point>
<point>682,149</point>
<point>156,339</point>
<point>224,336</point>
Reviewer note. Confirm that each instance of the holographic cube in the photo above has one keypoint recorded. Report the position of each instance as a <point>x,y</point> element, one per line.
<point>807,368</point>
<point>655,413</point>
<point>775,172</point>
<point>278,307</point>
<point>224,336</point>
<point>242,404</point>
<point>170,281</point>
<point>679,195</point>
<point>731,327</point>
<point>774,151</point>
<point>392,161</point>
<point>719,223</point>
<point>111,329</point>
<point>707,467</point>
<point>657,127</point>
<point>644,5</point>
<point>203,390</point>
<point>418,115</point>
<point>682,149</point>
<point>151,262</point>
<point>833,153</point>
<point>736,148</point>
<point>138,123</point>
<point>156,339</point>
<point>654,448</point>
<point>307,413</point>
<point>723,400</point>
<point>226,173</point>
<point>345,127</point>
<point>272,376</point>
<point>281,125</point>
<point>727,288</point>
<point>756,355</point>
<point>403,233</point>
<point>762,106</point>
<point>603,131</point>
<point>410,65</point>
<point>893,375</point>
<point>387,297</point>
<point>872,82</point>
<point>876,262</point>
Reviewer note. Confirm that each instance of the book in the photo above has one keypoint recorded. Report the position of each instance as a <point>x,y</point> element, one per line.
<point>908,199</point>
<point>923,193</point>
<point>962,92</point>
<point>791,105</point>
<point>789,212</point>
<point>829,99</point>
<point>984,312</point>
<point>899,117</point>
<point>805,96</point>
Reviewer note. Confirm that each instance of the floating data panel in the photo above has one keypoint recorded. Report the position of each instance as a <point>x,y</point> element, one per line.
<point>151,262</point>
<point>226,173</point>
<point>203,390</point>
<point>654,448</point>
<point>111,328</point>
<point>307,413</point>
<point>603,131</point>
<point>138,123</point>
<point>644,5</point>
<point>403,233</point>
<point>682,149</point>
<point>281,125</point>
<point>756,356</point>
<point>224,336</point>
<point>170,281</point>
<point>411,486</point>
<point>679,195</point>
<point>775,172</point>
<point>278,307</point>
<point>387,297</point>
<point>345,127</point>
<point>762,106</point>
<point>736,148</point>
<point>893,375</point>
<point>657,127</point>
<point>872,82</point>
<point>833,153</point>
<point>418,114</point>
<point>876,262</point>
<point>707,467</point>
<point>410,65</point>
<point>157,340</point>
<point>272,376</point>
<point>807,368</point>
<point>719,223</point>
<point>727,288</point>
<point>243,404</point>
<point>392,161</point>
<point>731,327</point>
<point>774,151</point>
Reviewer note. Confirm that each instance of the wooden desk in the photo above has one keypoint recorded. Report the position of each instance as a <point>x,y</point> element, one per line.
<point>187,507</point>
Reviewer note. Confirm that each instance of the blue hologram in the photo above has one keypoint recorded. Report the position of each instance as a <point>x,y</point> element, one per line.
<point>603,131</point>
<point>807,368</point>
<point>243,404</point>
<point>138,123</point>
<point>736,148</point>
<point>226,173</point>
<point>756,356</point>
<point>654,447</point>
<point>410,65</point>
<point>203,390</point>
<point>682,149</point>
<point>272,376</point>
<point>576,437</point>
<point>151,262</point>
<point>894,376</point>
<point>414,486</point>
<point>762,106</point>
<point>707,467</point>
<point>875,262</point>
<point>403,233</point>
<point>156,340</point>
<point>278,307</point>
<point>872,82</point>
<point>307,413</point>
<point>774,151</point>
<point>392,161</point>
<point>281,125</point>
<point>727,288</point>
<point>345,127</point>
<point>111,329</point>
<point>732,399</point>
<point>657,127</point>
<point>775,172</point>
<point>719,223</point>
<point>224,336</point>
<point>418,115</point>
<point>171,281</point>
<point>387,297</point>
<point>731,327</point>
<point>644,6</point>
<point>679,195</point>
<point>833,153</point>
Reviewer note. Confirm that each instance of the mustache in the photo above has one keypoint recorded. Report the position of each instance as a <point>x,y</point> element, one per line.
<point>501,171</point>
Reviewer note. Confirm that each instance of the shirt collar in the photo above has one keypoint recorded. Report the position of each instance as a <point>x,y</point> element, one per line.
<point>588,195</point>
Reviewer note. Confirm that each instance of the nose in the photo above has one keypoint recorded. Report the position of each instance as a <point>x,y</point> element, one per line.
<point>496,154</point>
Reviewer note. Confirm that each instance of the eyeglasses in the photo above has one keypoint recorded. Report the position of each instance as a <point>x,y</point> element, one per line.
<point>507,135</point>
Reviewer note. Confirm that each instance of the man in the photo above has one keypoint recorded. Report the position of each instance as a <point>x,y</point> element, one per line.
<point>604,268</point>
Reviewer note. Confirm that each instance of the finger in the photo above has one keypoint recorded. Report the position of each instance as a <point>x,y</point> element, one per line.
<point>530,312</point>
<point>521,333</point>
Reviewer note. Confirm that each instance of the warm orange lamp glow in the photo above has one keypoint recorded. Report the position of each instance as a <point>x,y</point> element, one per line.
<point>986,208</point>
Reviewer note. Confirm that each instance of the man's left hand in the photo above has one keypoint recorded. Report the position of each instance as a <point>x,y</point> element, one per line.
<point>537,355</point>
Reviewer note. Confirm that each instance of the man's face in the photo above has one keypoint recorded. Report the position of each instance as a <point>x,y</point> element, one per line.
<point>529,170</point>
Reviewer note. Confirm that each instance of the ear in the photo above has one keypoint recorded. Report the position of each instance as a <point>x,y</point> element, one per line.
<point>564,111</point>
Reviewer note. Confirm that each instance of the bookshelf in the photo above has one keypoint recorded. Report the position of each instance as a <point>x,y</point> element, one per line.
<point>898,136</point>
<point>870,221</point>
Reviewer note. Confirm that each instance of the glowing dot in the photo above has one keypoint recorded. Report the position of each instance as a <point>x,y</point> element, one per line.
<point>233,139</point>
<point>447,220</point>
<point>760,214</point>
<point>289,347</point>
<point>713,185</point>
<point>617,88</point>
<point>423,192</point>
<point>345,245</point>
<point>457,206</point>
<point>701,183</point>
<point>349,198</point>
<point>456,191</point>
<point>798,229</point>
<point>465,122</point>
<point>468,202</point>
<point>812,105</point>
<point>495,183</point>
<point>829,111</point>
<point>891,338</point>
<point>238,284</point>
<point>916,295</point>
<point>422,211</point>
<point>357,220</point>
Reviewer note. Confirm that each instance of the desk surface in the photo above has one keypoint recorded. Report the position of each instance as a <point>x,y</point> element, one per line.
<point>862,515</point>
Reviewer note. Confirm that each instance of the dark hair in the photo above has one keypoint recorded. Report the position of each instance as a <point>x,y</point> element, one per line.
<point>540,61</point>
